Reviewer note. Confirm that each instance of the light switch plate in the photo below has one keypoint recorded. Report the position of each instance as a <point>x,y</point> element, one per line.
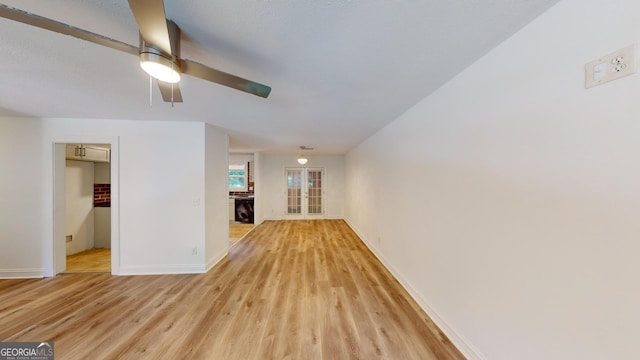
<point>610,67</point>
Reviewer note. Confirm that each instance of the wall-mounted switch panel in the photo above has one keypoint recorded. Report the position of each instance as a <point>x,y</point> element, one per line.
<point>611,67</point>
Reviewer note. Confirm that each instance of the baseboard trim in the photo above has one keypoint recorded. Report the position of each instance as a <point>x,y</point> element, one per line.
<point>215,260</point>
<point>162,270</point>
<point>276,218</point>
<point>21,273</point>
<point>462,343</point>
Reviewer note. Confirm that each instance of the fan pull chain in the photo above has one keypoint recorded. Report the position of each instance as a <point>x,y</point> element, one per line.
<point>150,93</point>
<point>172,83</point>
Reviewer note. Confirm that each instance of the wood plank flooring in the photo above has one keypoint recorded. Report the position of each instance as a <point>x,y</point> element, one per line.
<point>237,231</point>
<point>92,260</point>
<point>289,290</point>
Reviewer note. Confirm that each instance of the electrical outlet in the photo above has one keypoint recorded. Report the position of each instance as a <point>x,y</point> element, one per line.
<point>620,67</point>
<point>610,67</point>
<point>194,251</point>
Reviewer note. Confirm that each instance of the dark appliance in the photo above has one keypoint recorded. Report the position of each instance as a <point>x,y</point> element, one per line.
<point>244,210</point>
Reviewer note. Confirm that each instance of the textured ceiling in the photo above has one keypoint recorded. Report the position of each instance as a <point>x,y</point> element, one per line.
<point>340,70</point>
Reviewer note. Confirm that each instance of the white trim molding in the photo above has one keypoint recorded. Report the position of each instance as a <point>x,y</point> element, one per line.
<point>163,270</point>
<point>21,273</point>
<point>216,259</point>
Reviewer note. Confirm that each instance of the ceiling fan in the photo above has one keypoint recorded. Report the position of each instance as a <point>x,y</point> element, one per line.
<point>159,48</point>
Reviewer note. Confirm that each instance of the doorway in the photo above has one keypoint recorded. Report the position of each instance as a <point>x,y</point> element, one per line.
<point>87,208</point>
<point>67,240</point>
<point>241,195</point>
<point>304,197</point>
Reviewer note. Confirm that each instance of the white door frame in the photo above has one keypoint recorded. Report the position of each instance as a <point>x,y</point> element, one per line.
<point>57,247</point>
<point>304,214</point>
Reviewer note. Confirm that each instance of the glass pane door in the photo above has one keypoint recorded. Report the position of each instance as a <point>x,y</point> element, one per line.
<point>294,191</point>
<point>304,192</point>
<point>314,191</point>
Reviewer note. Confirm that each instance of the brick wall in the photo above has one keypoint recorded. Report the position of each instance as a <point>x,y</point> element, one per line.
<point>102,195</point>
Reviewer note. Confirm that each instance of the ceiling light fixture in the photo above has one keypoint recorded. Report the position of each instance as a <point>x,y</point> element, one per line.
<point>160,67</point>
<point>302,159</point>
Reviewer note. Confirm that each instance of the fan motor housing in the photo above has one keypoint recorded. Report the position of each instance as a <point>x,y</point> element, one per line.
<point>151,55</point>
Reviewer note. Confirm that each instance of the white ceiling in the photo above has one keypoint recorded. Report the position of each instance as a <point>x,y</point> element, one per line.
<point>339,69</point>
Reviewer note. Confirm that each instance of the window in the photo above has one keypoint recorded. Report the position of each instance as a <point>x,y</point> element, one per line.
<point>237,178</point>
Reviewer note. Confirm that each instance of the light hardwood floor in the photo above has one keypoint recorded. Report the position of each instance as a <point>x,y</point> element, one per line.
<point>289,290</point>
<point>237,231</point>
<point>93,260</point>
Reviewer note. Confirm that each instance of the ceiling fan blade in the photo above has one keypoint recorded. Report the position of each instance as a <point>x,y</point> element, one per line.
<point>203,72</point>
<point>167,95</point>
<point>62,28</point>
<point>174,38</point>
<point>152,22</point>
<point>155,29</point>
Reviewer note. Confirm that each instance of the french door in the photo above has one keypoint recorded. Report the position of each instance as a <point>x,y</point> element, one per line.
<point>304,195</point>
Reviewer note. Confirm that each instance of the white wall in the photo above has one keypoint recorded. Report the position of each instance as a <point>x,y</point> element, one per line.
<point>216,195</point>
<point>102,173</point>
<point>20,197</point>
<point>102,227</point>
<point>102,215</point>
<point>272,189</point>
<point>79,218</point>
<point>160,193</point>
<point>258,201</point>
<point>161,190</point>
<point>507,202</point>
<point>240,159</point>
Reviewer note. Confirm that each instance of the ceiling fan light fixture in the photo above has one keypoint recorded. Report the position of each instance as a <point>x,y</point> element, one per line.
<point>160,67</point>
